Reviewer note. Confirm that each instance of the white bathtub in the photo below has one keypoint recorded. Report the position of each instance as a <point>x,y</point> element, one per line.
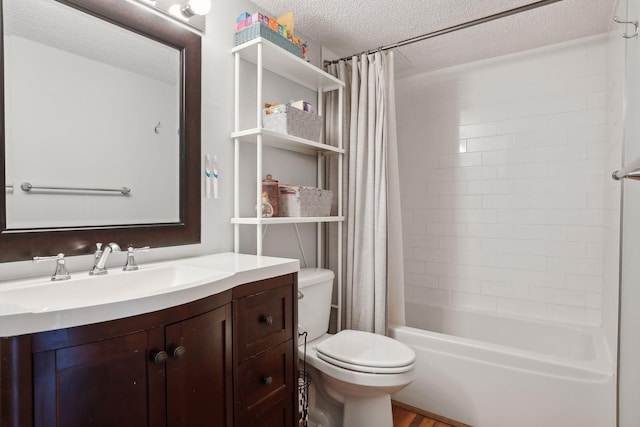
<point>498,371</point>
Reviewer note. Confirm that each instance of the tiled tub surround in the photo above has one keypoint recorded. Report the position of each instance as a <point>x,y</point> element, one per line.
<point>502,183</point>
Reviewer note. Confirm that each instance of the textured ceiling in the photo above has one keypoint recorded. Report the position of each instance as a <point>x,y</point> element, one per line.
<point>352,26</point>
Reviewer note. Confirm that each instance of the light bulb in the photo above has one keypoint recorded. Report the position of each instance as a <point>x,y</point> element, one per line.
<point>196,7</point>
<point>176,10</point>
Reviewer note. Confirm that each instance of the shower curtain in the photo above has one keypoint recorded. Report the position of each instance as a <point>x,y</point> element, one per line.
<point>373,273</point>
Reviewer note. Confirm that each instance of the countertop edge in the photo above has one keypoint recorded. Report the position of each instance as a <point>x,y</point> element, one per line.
<point>244,269</point>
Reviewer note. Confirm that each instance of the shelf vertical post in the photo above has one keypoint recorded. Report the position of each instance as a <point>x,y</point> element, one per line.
<point>320,180</point>
<point>340,210</point>
<point>320,255</point>
<point>319,225</point>
<point>236,154</point>
<point>259,66</point>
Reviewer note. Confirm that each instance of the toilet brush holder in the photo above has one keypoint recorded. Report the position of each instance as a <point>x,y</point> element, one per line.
<point>304,380</point>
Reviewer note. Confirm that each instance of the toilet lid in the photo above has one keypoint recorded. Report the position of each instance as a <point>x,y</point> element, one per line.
<point>366,352</point>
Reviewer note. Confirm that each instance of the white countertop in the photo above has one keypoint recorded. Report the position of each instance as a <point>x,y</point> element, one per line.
<point>232,269</point>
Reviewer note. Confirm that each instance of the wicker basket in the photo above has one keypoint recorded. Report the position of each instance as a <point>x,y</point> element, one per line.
<point>298,201</point>
<point>260,30</point>
<point>294,121</point>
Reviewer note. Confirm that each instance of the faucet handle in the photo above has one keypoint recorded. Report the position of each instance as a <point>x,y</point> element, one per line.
<point>131,261</point>
<point>61,272</point>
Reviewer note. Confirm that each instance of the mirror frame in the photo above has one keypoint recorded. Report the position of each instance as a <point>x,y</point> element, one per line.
<point>24,244</point>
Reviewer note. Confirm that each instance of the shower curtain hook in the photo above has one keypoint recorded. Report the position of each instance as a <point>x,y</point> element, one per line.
<point>634,23</point>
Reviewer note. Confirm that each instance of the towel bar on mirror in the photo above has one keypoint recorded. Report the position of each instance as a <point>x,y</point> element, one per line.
<point>27,186</point>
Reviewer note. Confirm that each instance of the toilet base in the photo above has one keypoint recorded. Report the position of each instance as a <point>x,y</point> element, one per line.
<point>324,410</point>
<point>370,412</point>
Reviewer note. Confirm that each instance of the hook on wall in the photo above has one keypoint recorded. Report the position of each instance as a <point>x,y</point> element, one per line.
<point>634,23</point>
<point>156,129</point>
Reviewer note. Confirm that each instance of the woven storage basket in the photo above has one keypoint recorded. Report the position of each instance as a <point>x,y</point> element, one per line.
<point>294,121</point>
<point>297,201</point>
<point>260,30</point>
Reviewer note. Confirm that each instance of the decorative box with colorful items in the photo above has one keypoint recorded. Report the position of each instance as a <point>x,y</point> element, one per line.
<point>296,118</point>
<point>278,31</point>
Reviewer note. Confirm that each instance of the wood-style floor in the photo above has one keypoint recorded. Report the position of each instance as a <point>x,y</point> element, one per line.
<point>407,416</point>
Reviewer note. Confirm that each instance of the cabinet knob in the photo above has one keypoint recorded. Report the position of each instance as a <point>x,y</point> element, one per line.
<point>178,352</point>
<point>266,319</point>
<point>266,380</point>
<point>160,357</point>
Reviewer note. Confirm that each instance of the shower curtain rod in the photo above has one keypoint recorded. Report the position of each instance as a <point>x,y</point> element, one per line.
<point>454,28</point>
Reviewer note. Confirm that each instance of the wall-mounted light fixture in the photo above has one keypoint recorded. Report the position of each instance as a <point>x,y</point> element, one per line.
<point>190,12</point>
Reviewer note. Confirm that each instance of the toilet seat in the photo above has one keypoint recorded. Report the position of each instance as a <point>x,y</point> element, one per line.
<point>365,369</point>
<point>366,352</point>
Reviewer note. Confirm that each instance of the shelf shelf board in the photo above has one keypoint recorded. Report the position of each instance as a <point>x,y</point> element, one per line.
<point>286,220</point>
<point>286,64</point>
<point>285,142</point>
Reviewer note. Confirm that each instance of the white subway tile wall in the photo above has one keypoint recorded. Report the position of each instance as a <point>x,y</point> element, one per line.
<point>503,166</point>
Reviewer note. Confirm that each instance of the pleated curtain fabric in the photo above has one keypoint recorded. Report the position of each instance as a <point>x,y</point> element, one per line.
<point>373,273</point>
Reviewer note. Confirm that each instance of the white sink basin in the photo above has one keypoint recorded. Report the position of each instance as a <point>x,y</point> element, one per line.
<point>83,290</point>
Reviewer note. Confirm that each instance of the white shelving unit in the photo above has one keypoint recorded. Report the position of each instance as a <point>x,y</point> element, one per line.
<point>268,56</point>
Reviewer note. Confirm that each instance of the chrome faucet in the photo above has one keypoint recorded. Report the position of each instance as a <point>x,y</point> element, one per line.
<point>101,256</point>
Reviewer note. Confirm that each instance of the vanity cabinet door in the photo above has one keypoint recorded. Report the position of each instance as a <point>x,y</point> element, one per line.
<point>103,383</point>
<point>199,370</point>
<point>169,368</point>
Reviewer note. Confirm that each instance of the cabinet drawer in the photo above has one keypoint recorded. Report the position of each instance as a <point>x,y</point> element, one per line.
<point>264,320</point>
<point>265,379</point>
<point>276,411</point>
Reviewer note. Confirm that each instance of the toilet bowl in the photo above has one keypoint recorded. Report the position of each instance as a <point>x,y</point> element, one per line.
<point>353,371</point>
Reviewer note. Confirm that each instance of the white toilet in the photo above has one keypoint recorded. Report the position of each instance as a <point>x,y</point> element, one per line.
<point>353,373</point>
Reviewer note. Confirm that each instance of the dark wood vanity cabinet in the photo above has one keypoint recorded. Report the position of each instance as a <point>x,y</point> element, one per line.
<point>228,359</point>
<point>167,368</point>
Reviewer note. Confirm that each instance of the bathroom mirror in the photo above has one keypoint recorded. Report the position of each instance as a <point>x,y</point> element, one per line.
<point>101,128</point>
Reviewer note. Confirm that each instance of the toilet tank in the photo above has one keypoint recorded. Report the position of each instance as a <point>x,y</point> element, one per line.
<point>315,286</point>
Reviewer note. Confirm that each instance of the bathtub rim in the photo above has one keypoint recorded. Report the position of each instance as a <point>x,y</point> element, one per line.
<point>602,352</point>
<point>597,369</point>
